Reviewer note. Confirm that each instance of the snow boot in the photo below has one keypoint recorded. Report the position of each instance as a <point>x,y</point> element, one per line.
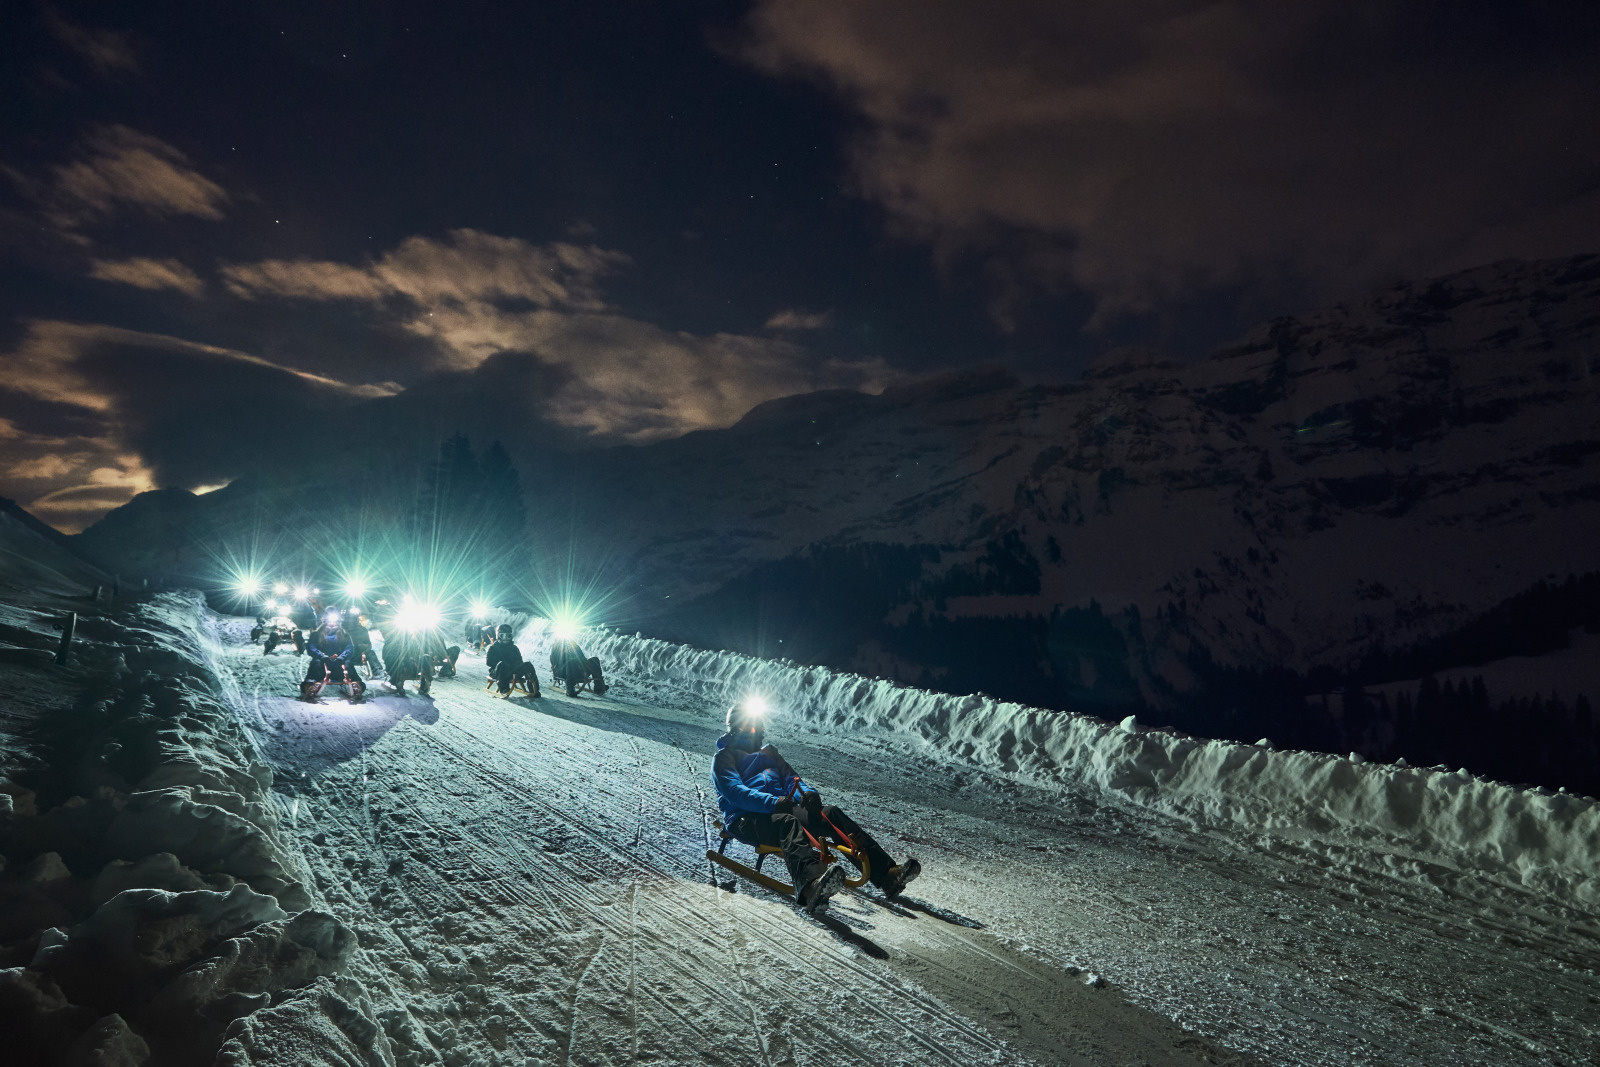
<point>310,691</point>
<point>398,688</point>
<point>814,896</point>
<point>600,689</point>
<point>901,875</point>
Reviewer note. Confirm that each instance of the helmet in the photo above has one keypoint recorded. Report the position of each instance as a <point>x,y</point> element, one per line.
<point>502,631</point>
<point>748,716</point>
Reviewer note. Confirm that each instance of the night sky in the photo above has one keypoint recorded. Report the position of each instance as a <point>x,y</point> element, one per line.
<point>632,220</point>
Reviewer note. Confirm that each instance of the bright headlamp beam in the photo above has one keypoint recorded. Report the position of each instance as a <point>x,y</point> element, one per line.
<point>756,704</point>
<point>301,592</point>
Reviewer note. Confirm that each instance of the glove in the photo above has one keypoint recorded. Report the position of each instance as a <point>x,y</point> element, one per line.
<point>784,807</point>
<point>814,803</point>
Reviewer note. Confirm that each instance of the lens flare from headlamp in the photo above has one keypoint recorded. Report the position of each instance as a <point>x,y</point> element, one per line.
<point>564,629</point>
<point>249,586</point>
<point>756,705</point>
<point>355,587</point>
<point>480,610</point>
<point>301,592</point>
<point>416,617</point>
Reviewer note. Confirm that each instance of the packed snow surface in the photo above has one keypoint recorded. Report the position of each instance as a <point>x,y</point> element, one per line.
<point>527,884</point>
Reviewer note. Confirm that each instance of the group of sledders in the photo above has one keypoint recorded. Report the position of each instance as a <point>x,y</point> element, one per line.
<point>340,645</point>
<point>764,802</point>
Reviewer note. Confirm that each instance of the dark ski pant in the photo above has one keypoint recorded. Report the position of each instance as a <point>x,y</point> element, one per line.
<point>508,673</point>
<point>320,672</point>
<point>445,660</point>
<point>802,859</point>
<point>574,672</point>
<point>273,639</point>
<point>402,668</point>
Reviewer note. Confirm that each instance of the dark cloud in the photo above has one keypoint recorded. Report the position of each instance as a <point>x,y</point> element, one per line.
<point>107,51</point>
<point>99,413</point>
<point>476,296</point>
<point>142,272</point>
<point>120,168</point>
<point>1152,152</point>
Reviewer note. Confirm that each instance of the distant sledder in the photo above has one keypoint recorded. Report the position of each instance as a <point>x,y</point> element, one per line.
<point>571,668</point>
<point>507,669</point>
<point>333,661</point>
<point>279,629</point>
<point>404,658</point>
<point>766,804</point>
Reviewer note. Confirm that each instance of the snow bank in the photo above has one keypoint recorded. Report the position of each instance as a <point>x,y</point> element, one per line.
<point>148,901</point>
<point>1549,843</point>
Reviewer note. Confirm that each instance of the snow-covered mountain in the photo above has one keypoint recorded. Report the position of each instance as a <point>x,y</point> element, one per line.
<point>1373,473</point>
<point>1368,476</point>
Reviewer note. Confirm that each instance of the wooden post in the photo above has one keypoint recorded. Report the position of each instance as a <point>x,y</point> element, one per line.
<point>69,624</point>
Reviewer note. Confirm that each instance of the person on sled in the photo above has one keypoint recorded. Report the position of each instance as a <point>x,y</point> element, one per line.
<point>404,657</point>
<point>764,802</point>
<point>572,668</point>
<point>506,665</point>
<point>333,660</point>
<point>360,629</point>
<point>443,656</point>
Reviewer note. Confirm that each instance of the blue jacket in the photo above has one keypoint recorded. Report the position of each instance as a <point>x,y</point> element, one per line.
<point>321,646</point>
<point>752,781</point>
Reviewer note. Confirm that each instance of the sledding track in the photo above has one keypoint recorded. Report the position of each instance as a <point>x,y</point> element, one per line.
<point>529,883</point>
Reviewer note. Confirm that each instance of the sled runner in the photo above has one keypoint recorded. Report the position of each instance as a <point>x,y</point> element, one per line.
<point>313,693</point>
<point>516,687</point>
<point>829,852</point>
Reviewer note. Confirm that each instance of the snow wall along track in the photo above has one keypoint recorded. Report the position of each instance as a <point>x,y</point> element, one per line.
<point>1545,842</point>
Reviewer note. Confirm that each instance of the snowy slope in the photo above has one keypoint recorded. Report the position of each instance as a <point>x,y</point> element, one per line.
<point>527,883</point>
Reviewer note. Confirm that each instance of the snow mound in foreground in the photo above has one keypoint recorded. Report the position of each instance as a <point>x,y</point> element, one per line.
<point>1547,842</point>
<point>150,903</point>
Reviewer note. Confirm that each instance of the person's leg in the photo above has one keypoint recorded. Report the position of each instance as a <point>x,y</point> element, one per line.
<point>506,674</point>
<point>451,654</point>
<point>784,831</point>
<point>878,861</point>
<point>316,677</point>
<point>271,643</point>
<point>529,679</point>
<point>594,672</point>
<point>352,678</point>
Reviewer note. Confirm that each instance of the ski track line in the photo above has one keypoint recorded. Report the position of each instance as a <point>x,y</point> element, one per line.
<point>1320,956</point>
<point>948,1019</point>
<point>496,876</point>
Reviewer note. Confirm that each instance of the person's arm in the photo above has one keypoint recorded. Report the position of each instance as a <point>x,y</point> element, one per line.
<point>731,787</point>
<point>793,784</point>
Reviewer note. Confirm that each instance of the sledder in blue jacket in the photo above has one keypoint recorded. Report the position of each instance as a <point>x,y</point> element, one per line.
<point>753,781</point>
<point>765,802</point>
<point>333,659</point>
